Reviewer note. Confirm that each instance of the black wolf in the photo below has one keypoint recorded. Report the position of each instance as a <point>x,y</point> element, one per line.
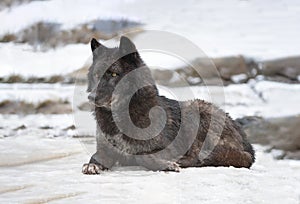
<point>213,140</point>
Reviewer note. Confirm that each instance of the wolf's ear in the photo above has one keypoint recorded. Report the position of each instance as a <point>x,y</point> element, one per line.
<point>126,46</point>
<point>94,44</point>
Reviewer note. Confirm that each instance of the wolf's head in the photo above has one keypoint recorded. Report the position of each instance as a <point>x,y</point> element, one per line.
<point>109,66</point>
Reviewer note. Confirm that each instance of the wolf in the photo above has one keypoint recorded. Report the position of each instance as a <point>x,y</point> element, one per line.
<point>124,113</point>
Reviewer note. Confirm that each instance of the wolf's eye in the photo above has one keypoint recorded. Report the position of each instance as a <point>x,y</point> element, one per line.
<point>114,74</point>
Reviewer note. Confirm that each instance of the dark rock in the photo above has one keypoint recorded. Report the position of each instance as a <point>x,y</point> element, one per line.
<point>235,65</point>
<point>287,67</point>
<point>227,69</point>
<point>46,127</point>
<point>279,133</point>
<point>281,79</point>
<point>293,155</point>
<point>22,127</point>
<point>71,127</point>
<point>162,77</point>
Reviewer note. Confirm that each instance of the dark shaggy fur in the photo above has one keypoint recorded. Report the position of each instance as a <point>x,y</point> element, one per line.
<point>213,140</point>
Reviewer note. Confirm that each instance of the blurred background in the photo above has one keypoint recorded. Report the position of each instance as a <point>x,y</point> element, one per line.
<point>44,58</point>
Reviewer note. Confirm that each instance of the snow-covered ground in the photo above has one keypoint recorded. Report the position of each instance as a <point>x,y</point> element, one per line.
<point>39,165</point>
<point>35,93</point>
<point>260,29</point>
<point>47,169</point>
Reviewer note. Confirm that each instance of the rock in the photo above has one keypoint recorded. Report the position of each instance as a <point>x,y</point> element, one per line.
<point>162,77</point>
<point>236,69</point>
<point>22,127</point>
<point>54,107</point>
<point>16,107</point>
<point>287,67</point>
<point>293,155</point>
<point>46,127</point>
<point>233,69</point>
<point>204,68</point>
<point>281,79</point>
<point>71,127</point>
<point>235,65</point>
<point>279,133</point>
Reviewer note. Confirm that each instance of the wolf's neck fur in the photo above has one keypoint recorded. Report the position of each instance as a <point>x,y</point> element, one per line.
<point>139,107</point>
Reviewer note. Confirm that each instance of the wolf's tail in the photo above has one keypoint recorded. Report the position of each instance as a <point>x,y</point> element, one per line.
<point>247,146</point>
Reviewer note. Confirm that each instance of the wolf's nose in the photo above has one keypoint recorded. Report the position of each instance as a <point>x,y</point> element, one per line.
<point>92,96</point>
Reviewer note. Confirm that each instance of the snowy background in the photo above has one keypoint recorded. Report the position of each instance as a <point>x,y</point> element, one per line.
<point>42,154</point>
<point>261,29</point>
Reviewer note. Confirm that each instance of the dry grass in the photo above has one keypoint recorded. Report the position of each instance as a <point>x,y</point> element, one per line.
<point>15,78</point>
<point>44,107</point>
<point>8,38</point>
<point>46,35</point>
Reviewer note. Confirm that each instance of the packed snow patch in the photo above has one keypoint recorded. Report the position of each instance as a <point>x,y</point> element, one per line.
<point>38,164</point>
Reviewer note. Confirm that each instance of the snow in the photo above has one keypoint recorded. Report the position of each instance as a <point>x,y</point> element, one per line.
<point>263,30</point>
<point>21,59</point>
<point>35,93</point>
<point>42,165</point>
<point>47,169</point>
<point>258,99</point>
<point>238,78</point>
<point>67,12</point>
<point>38,165</point>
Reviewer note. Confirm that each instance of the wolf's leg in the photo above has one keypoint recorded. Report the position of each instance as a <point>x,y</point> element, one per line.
<point>98,162</point>
<point>222,156</point>
<point>158,164</point>
<point>188,161</point>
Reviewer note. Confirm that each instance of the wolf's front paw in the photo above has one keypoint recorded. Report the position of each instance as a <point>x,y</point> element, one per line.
<point>92,168</point>
<point>172,166</point>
